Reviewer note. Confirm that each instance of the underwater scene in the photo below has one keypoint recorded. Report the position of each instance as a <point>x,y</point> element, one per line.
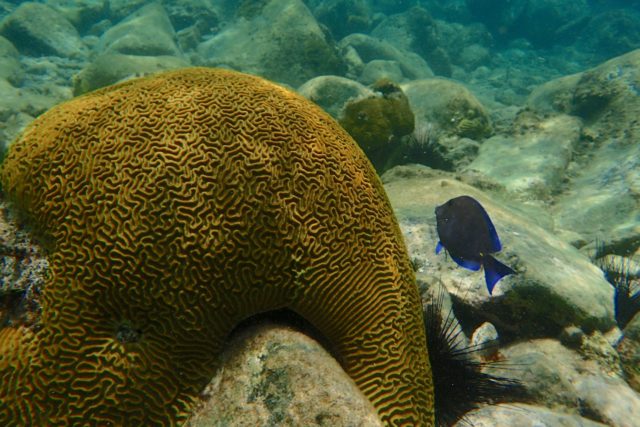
<point>320,213</point>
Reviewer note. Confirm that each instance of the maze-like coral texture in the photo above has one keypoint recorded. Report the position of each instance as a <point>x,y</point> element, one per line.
<point>175,206</point>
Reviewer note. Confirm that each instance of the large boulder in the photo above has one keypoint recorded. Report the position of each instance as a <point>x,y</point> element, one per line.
<point>37,29</point>
<point>114,67</point>
<point>333,92</point>
<point>273,375</point>
<point>279,39</point>
<point>416,31</point>
<point>361,49</point>
<point>599,199</point>
<point>542,22</point>
<point>533,161</point>
<point>574,291</point>
<point>10,67</point>
<point>449,106</point>
<point>148,32</point>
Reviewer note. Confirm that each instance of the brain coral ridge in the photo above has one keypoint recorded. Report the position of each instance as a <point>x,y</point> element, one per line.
<point>177,205</point>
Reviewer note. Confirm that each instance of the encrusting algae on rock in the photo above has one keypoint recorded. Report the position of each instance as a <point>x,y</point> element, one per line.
<point>175,206</point>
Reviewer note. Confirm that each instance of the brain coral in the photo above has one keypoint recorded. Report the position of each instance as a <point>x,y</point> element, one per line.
<point>175,206</point>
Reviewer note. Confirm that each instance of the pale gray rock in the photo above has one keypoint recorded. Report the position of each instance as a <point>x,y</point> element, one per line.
<point>588,380</point>
<point>449,106</point>
<point>32,101</point>
<point>147,32</point>
<point>532,163</point>
<point>556,285</point>
<point>281,41</point>
<point>379,69</point>
<point>610,399</point>
<point>272,375</point>
<point>600,200</point>
<point>83,14</point>
<point>521,415</point>
<point>37,29</point>
<point>474,56</point>
<point>369,48</point>
<point>555,96</point>
<point>629,350</point>
<point>485,339</point>
<point>333,92</point>
<point>416,31</point>
<point>10,67</point>
<point>111,68</point>
<point>12,126</point>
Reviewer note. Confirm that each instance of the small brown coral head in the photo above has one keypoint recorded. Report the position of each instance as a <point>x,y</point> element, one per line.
<point>174,207</point>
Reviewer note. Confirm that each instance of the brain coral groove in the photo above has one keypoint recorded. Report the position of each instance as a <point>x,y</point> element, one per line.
<point>175,206</point>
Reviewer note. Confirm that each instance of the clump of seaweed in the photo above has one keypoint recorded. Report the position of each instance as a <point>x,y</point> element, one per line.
<point>625,282</point>
<point>460,379</point>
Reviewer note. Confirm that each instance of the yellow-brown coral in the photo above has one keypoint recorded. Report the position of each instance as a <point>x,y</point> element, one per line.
<point>175,206</point>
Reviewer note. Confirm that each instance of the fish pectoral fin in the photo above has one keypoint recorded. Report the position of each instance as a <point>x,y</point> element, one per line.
<point>494,270</point>
<point>439,248</point>
<point>467,263</point>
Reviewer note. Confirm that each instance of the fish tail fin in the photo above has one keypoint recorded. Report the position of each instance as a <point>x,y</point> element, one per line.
<point>494,270</point>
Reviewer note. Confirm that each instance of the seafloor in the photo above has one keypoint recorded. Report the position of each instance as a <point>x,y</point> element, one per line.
<point>531,107</point>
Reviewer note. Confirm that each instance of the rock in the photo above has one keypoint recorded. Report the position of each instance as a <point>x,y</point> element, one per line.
<point>612,32</point>
<point>572,337</point>
<point>610,400</point>
<point>416,31</point>
<point>11,127</point>
<point>369,48</point>
<point>474,56</point>
<point>22,272</point>
<point>281,41</point>
<point>120,9</point>
<point>532,163</point>
<point>523,416</point>
<point>485,339</point>
<point>379,69</point>
<point>605,173</point>
<point>147,32</point>
<point>629,350</point>
<point>449,106</point>
<point>586,381</point>
<point>556,286</point>
<point>555,96</point>
<point>15,101</point>
<point>10,67</point>
<point>272,375</point>
<point>344,17</point>
<point>542,22</point>
<point>194,14</point>
<point>499,16</point>
<point>390,6</point>
<point>82,14</point>
<point>332,92</point>
<point>111,68</point>
<point>37,29</point>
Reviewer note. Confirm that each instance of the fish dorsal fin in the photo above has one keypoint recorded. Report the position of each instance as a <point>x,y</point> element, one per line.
<point>496,245</point>
<point>466,263</point>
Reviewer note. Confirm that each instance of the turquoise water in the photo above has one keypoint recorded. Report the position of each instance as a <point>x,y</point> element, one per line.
<point>529,106</point>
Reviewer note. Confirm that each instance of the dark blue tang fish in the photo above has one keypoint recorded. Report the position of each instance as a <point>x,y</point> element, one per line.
<point>467,233</point>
